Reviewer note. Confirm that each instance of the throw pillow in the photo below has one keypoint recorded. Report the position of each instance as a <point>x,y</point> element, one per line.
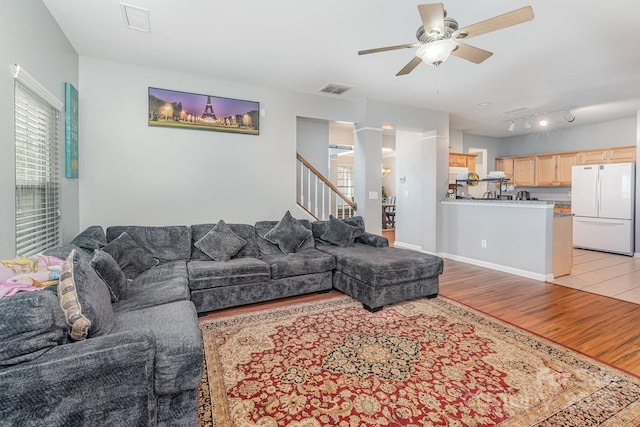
<point>111,274</point>
<point>339,233</point>
<point>358,222</point>
<point>289,234</point>
<point>90,239</point>
<point>84,299</point>
<point>32,323</point>
<point>131,257</point>
<point>220,243</point>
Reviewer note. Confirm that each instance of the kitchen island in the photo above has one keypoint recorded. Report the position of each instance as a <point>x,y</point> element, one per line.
<point>515,236</point>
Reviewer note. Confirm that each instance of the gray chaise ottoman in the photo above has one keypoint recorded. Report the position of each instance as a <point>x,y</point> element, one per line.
<point>379,276</point>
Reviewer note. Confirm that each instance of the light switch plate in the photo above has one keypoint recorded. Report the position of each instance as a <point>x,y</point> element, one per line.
<point>373,195</point>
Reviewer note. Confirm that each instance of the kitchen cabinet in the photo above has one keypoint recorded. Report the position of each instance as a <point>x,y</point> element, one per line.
<point>546,170</point>
<point>562,246</point>
<point>554,170</point>
<point>463,160</point>
<point>562,210</point>
<point>612,155</point>
<point>565,162</point>
<point>505,164</point>
<point>524,171</point>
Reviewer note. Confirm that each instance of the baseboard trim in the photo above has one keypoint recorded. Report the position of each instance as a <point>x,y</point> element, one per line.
<point>411,247</point>
<point>498,267</point>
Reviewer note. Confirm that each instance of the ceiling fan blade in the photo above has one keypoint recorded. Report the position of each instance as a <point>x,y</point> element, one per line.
<point>432,16</point>
<point>410,66</point>
<point>499,22</point>
<point>471,53</point>
<point>384,49</point>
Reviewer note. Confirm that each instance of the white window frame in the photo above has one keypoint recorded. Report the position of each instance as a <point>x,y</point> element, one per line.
<point>37,165</point>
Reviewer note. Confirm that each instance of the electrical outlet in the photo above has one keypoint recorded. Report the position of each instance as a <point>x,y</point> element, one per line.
<point>483,243</point>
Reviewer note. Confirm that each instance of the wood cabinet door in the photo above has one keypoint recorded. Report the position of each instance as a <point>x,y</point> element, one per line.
<point>546,170</point>
<point>564,163</point>
<point>622,155</point>
<point>505,164</point>
<point>471,163</point>
<point>524,171</point>
<point>593,157</point>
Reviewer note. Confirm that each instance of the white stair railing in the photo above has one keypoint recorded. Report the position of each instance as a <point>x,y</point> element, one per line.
<point>315,193</point>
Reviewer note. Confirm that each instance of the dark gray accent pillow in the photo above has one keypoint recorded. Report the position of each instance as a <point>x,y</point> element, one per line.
<point>289,234</point>
<point>131,257</point>
<point>111,274</point>
<point>84,299</point>
<point>358,222</point>
<point>220,243</point>
<point>90,239</point>
<point>32,323</point>
<point>339,233</point>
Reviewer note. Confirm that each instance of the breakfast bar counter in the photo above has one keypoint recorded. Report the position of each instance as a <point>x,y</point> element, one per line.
<point>515,236</point>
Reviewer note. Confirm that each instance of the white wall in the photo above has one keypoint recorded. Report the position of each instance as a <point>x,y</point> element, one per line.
<point>32,39</point>
<point>312,137</point>
<point>422,181</point>
<point>136,174</point>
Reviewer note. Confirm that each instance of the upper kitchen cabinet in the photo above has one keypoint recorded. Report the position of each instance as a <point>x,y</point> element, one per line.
<point>505,164</point>
<point>554,170</point>
<point>611,155</point>
<point>463,160</point>
<point>524,171</point>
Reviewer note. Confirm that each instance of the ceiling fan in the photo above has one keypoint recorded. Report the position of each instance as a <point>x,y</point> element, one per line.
<point>439,36</point>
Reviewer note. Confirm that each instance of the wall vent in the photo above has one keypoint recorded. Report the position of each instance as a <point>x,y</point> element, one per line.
<point>335,88</point>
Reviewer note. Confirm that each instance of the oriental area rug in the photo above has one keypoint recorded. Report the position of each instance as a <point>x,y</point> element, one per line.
<point>419,363</point>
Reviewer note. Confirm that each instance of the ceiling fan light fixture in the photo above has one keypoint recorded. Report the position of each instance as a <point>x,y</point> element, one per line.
<point>527,124</point>
<point>512,126</point>
<point>543,121</point>
<point>568,116</point>
<point>436,52</point>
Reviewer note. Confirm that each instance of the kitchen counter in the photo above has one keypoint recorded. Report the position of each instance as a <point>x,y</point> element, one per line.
<point>515,236</point>
<point>503,202</point>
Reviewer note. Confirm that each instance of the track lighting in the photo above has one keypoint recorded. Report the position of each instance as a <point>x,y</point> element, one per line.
<point>542,119</point>
<point>568,116</point>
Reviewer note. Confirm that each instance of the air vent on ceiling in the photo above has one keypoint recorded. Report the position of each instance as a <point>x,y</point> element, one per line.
<point>136,18</point>
<point>517,110</point>
<point>335,88</point>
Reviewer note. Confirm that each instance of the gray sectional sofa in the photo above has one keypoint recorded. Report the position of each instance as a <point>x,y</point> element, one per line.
<point>139,362</point>
<point>143,365</point>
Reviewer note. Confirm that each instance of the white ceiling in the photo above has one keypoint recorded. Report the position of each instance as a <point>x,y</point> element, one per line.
<point>578,54</point>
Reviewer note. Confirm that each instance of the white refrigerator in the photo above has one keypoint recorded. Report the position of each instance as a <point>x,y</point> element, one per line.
<point>603,204</point>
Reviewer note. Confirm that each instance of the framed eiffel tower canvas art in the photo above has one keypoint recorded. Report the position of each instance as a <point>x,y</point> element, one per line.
<point>170,108</point>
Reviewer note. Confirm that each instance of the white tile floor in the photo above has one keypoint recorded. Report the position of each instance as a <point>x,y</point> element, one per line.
<point>616,276</point>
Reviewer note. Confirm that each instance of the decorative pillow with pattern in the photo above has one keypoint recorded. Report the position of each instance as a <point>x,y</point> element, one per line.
<point>111,274</point>
<point>339,233</point>
<point>289,234</point>
<point>84,298</point>
<point>131,257</point>
<point>220,243</point>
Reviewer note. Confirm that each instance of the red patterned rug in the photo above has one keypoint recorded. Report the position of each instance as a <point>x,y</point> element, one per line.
<point>419,363</point>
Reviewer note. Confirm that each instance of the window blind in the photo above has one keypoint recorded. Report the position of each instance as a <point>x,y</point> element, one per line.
<point>37,171</point>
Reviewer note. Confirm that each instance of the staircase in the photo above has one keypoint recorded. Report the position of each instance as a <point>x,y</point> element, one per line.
<point>319,196</point>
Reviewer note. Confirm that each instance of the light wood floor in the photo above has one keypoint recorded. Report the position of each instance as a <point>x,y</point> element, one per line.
<point>604,328</point>
<point>616,276</point>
